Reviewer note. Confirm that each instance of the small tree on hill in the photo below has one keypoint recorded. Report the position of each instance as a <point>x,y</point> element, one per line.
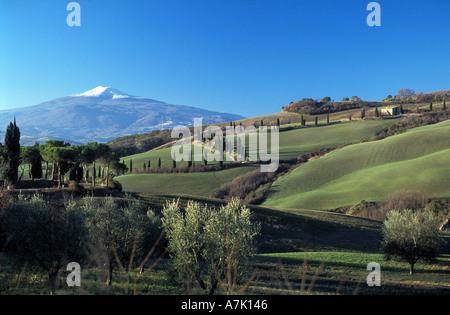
<point>411,236</point>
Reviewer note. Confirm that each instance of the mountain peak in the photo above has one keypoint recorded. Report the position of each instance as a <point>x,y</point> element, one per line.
<point>105,92</point>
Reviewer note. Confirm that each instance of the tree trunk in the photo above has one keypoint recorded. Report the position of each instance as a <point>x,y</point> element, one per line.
<point>93,174</point>
<point>107,175</point>
<point>30,171</point>
<point>110,272</point>
<point>52,277</point>
<point>59,176</point>
<point>411,268</point>
<point>53,170</point>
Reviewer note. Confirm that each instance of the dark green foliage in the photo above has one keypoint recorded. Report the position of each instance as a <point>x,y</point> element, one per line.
<point>12,148</point>
<point>32,156</point>
<point>40,234</point>
<point>134,144</point>
<point>313,107</point>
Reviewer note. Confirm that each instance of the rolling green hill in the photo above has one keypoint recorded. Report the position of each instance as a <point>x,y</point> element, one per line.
<point>418,159</point>
<point>199,184</point>
<point>292,143</point>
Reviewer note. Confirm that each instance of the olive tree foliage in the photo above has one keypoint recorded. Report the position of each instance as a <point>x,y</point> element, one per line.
<point>411,236</point>
<point>39,234</point>
<point>119,234</point>
<point>210,246</point>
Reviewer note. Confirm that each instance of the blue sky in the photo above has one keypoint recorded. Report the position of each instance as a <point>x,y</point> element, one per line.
<point>247,57</point>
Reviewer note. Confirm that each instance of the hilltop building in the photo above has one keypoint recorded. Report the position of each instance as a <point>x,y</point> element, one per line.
<point>390,111</point>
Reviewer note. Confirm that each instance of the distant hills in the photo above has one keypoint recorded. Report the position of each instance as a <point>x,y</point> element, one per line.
<point>102,114</point>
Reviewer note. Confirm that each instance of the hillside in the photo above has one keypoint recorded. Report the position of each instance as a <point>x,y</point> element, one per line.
<point>415,160</point>
<point>293,142</point>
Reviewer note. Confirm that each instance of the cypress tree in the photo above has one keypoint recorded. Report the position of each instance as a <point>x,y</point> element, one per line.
<point>131,166</point>
<point>159,162</point>
<point>302,120</point>
<point>328,119</point>
<point>377,114</point>
<point>12,146</point>
<point>363,113</point>
<point>316,122</point>
<point>278,122</point>
<point>144,167</point>
<point>431,106</point>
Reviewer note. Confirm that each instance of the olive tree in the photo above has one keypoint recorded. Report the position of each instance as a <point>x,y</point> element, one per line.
<point>43,235</point>
<point>411,236</point>
<point>119,233</point>
<point>210,246</point>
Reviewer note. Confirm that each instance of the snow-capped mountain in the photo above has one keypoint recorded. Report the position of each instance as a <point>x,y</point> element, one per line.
<point>102,114</point>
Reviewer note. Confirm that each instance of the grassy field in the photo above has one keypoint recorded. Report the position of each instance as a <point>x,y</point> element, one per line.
<point>200,184</point>
<point>301,141</point>
<point>415,160</point>
<point>292,143</point>
<point>346,273</point>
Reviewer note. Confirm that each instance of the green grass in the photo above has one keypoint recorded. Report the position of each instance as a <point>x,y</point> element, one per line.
<point>292,144</point>
<point>200,184</point>
<point>301,141</point>
<point>346,273</point>
<point>415,160</point>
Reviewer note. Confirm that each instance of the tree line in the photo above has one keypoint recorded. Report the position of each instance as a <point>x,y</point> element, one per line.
<point>59,157</point>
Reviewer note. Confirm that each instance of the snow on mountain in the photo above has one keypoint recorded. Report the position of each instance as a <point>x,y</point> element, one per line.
<point>105,91</point>
<point>103,114</point>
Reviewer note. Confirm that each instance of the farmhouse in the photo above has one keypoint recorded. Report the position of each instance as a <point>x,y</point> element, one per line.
<point>390,111</point>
